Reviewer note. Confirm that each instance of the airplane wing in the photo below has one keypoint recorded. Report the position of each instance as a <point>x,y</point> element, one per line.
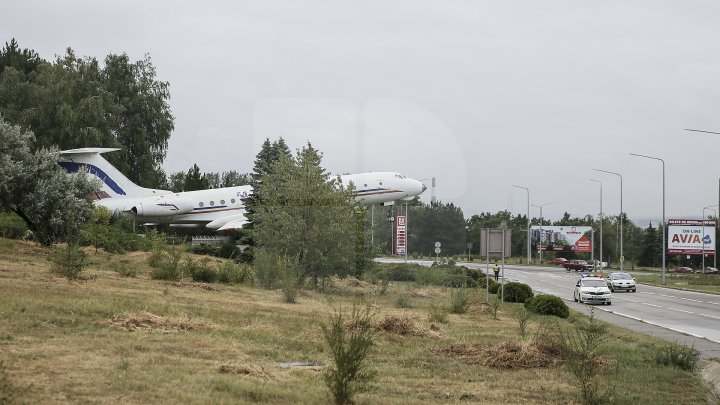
<point>236,224</point>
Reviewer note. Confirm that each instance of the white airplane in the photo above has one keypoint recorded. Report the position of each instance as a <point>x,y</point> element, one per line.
<point>220,208</point>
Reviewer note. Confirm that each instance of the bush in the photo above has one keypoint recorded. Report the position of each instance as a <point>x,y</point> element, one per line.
<point>167,266</point>
<point>399,271</point>
<point>235,273</point>
<point>437,313</point>
<point>679,356</point>
<point>11,225</point>
<point>459,301</point>
<point>402,301</point>
<point>494,285</point>
<point>350,343</point>
<point>68,262</point>
<point>125,269</point>
<point>267,269</point>
<point>548,305</point>
<point>200,270</point>
<point>517,292</point>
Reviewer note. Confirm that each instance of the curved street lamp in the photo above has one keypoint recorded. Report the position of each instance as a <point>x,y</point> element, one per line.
<point>541,225</point>
<point>622,257</point>
<point>664,246</point>
<point>601,222</point>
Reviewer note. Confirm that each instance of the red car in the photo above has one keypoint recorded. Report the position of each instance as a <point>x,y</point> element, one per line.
<point>558,261</point>
<point>684,270</point>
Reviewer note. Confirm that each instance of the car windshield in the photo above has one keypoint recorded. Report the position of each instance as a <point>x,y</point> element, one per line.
<point>594,283</point>
<point>621,277</point>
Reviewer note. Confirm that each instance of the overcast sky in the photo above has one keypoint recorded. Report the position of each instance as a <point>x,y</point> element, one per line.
<point>479,94</point>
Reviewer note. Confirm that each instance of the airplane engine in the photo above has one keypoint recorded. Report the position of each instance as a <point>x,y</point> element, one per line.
<point>163,207</point>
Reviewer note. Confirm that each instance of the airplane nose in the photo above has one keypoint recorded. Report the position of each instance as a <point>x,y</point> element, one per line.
<point>423,188</point>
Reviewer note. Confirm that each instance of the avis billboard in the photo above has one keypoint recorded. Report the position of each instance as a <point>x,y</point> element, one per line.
<point>561,238</point>
<point>691,236</point>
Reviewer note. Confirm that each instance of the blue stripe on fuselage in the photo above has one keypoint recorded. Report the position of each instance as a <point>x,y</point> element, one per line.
<point>72,167</point>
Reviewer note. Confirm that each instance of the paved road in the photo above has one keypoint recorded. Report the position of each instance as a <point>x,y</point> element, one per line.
<point>678,316</point>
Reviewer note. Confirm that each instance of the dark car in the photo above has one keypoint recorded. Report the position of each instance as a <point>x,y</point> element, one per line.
<point>558,261</point>
<point>684,270</point>
<point>577,265</point>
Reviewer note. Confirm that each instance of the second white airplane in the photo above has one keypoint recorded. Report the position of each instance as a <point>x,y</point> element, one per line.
<point>219,209</point>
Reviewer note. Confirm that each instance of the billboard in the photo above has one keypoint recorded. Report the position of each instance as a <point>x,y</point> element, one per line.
<point>691,236</point>
<point>561,238</point>
<point>400,233</point>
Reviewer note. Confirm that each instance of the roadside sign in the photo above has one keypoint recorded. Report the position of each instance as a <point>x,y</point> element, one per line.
<point>622,259</point>
<point>437,251</point>
<point>437,244</point>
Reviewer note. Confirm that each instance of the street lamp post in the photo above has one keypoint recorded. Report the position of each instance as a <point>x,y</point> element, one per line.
<point>467,240</point>
<point>664,247</point>
<point>622,257</point>
<point>601,223</point>
<point>541,225</point>
<point>709,207</point>
<point>528,221</point>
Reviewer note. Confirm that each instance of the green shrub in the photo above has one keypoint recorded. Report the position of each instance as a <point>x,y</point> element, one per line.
<point>125,269</point>
<point>200,270</point>
<point>402,301</point>
<point>437,313</point>
<point>235,273</point>
<point>68,262</point>
<point>267,268</point>
<point>11,225</point>
<point>167,266</point>
<point>459,301</point>
<point>494,287</point>
<point>289,288</point>
<point>548,305</point>
<point>399,271</point>
<point>517,292</point>
<point>676,355</point>
<point>350,343</point>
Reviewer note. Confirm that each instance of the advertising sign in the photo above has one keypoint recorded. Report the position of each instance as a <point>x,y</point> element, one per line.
<point>562,238</point>
<point>686,236</point>
<point>400,234</point>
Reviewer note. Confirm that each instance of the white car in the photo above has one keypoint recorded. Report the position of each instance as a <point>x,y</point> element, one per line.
<point>592,290</point>
<point>621,281</point>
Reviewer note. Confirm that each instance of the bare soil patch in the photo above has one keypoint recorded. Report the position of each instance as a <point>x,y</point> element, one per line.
<point>147,321</point>
<point>506,355</point>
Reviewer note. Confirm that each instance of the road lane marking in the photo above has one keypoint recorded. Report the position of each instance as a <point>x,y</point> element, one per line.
<point>682,298</point>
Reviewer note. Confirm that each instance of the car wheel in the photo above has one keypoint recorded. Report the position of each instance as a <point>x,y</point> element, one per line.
<point>612,289</point>
<point>609,303</point>
<point>634,290</point>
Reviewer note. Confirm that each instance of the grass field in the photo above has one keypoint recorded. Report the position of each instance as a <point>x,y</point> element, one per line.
<point>110,339</point>
<point>692,282</point>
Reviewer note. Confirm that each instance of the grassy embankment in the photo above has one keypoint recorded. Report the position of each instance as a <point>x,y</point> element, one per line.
<point>113,339</point>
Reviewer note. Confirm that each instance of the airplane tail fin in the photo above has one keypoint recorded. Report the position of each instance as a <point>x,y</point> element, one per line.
<point>113,182</point>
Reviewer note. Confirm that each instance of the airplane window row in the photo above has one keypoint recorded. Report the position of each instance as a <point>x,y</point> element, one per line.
<point>212,203</point>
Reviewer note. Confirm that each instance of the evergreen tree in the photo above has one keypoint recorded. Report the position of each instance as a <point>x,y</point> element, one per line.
<point>648,253</point>
<point>304,214</point>
<point>194,180</point>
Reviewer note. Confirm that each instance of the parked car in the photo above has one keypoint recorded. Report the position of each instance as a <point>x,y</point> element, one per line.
<point>597,264</point>
<point>577,265</point>
<point>711,270</point>
<point>620,281</point>
<point>684,270</point>
<point>592,289</point>
<point>558,261</point>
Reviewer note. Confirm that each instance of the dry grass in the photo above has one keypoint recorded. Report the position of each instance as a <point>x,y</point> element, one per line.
<point>244,370</point>
<point>146,321</point>
<point>66,342</point>
<point>404,325</point>
<point>506,355</point>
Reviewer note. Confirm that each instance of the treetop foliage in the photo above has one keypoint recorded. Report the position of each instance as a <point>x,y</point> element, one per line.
<point>74,102</point>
